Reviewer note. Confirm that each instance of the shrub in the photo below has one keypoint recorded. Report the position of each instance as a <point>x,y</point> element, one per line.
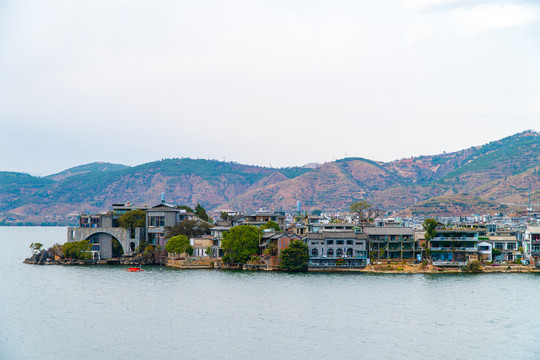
<point>474,266</point>
<point>77,250</point>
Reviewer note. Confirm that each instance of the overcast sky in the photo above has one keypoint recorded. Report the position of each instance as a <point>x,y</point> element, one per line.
<point>276,82</point>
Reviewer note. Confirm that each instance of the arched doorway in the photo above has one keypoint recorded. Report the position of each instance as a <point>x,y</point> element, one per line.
<point>339,252</point>
<point>132,246</point>
<point>330,252</point>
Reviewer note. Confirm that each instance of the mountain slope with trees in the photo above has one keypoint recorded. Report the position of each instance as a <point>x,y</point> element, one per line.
<point>490,177</point>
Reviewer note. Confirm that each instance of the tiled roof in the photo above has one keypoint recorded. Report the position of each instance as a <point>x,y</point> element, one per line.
<point>388,231</point>
<point>336,235</point>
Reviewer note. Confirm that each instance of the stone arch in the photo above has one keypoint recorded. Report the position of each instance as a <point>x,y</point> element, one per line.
<point>123,236</point>
<point>105,245</point>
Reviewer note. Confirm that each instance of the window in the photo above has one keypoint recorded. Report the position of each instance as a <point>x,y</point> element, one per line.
<point>340,242</point>
<point>349,242</point>
<point>330,252</point>
<point>511,246</point>
<point>329,242</point>
<point>499,246</point>
<point>157,221</point>
<point>349,252</point>
<point>314,252</point>
<point>339,252</point>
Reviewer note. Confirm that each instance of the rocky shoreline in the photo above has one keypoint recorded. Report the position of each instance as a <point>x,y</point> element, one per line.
<point>47,258</point>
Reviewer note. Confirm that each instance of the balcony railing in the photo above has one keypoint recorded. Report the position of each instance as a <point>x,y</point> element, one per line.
<point>462,238</point>
<point>454,249</point>
<point>449,263</point>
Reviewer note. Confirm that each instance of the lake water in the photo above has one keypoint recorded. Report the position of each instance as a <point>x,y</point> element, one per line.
<point>61,312</point>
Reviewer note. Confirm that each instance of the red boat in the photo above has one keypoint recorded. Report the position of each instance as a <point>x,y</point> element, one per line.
<point>134,269</point>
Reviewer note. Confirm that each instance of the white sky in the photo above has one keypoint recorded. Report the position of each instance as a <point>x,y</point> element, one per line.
<point>276,82</point>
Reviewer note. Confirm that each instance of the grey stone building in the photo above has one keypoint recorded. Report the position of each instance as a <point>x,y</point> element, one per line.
<point>161,216</point>
<point>337,248</point>
<point>107,238</point>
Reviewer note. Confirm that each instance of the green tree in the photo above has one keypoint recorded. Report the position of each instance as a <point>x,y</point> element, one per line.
<point>239,243</point>
<point>177,244</point>
<point>295,257</point>
<point>189,228</point>
<point>360,208</point>
<point>201,212</point>
<point>224,215</point>
<point>430,228</point>
<point>270,225</point>
<point>132,219</point>
<point>36,247</point>
<point>316,212</point>
<point>189,250</point>
<point>77,250</point>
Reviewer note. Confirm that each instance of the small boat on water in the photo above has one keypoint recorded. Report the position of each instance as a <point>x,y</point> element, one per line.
<point>134,269</point>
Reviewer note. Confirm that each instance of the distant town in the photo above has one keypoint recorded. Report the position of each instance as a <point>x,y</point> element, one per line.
<point>358,240</point>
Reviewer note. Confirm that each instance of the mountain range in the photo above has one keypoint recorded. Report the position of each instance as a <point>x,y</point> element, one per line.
<point>495,177</point>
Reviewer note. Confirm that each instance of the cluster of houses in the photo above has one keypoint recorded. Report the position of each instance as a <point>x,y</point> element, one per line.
<point>332,241</point>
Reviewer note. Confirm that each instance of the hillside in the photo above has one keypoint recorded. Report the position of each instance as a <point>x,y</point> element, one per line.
<point>184,181</point>
<point>87,168</point>
<point>486,178</point>
<point>331,186</point>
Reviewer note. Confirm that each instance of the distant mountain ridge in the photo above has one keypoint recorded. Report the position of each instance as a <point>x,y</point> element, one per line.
<point>87,168</point>
<point>492,177</point>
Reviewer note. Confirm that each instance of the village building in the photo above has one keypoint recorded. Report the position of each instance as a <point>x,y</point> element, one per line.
<point>393,243</point>
<point>454,247</point>
<point>337,248</point>
<point>107,238</point>
<point>161,216</point>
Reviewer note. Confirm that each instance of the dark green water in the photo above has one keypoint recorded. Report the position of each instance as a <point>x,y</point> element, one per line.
<point>56,312</point>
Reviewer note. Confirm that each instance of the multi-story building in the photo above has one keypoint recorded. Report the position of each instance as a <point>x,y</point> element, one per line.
<point>161,216</point>
<point>337,248</point>
<point>107,238</point>
<point>277,241</point>
<point>454,247</point>
<point>532,240</point>
<point>393,243</point>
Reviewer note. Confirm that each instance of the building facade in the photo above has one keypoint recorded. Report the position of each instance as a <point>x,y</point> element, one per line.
<point>337,248</point>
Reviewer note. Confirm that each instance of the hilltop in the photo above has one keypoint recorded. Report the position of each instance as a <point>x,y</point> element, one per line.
<point>487,178</point>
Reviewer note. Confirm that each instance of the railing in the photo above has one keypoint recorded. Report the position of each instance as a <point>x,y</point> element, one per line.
<point>449,263</point>
<point>463,238</point>
<point>454,249</point>
<point>337,257</point>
